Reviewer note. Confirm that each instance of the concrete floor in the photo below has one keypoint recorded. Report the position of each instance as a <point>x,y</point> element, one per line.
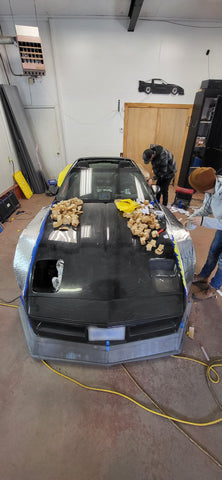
<point>52,429</point>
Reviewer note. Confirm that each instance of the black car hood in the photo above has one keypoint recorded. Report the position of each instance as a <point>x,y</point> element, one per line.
<point>108,277</point>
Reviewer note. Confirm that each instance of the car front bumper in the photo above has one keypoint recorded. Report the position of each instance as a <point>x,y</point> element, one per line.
<point>61,350</point>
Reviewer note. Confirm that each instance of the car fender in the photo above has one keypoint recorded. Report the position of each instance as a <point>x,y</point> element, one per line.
<point>183,248</point>
<point>26,247</point>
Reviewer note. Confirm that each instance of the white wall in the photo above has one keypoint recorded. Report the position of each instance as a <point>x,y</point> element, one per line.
<point>40,102</point>
<point>7,153</point>
<point>90,64</point>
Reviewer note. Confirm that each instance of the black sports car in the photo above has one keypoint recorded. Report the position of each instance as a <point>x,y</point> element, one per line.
<point>105,270</point>
<point>156,85</point>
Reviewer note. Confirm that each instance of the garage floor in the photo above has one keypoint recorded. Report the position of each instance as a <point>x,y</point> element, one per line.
<point>52,429</point>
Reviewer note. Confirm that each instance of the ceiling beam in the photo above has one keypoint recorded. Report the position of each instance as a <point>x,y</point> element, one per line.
<point>134,12</point>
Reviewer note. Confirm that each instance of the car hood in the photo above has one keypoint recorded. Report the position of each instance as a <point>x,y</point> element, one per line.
<point>108,277</point>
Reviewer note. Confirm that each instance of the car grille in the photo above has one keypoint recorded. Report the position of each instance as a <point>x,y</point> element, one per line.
<point>80,333</point>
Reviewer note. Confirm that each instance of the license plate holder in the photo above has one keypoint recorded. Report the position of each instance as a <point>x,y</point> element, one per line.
<point>106,334</point>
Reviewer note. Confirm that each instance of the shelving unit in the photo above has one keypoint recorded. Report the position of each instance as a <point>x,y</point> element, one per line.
<point>204,140</point>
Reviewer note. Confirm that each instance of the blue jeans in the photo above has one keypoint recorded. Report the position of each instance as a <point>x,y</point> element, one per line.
<point>214,257</point>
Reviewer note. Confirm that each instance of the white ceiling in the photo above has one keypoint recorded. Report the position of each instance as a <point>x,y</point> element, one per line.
<point>180,10</point>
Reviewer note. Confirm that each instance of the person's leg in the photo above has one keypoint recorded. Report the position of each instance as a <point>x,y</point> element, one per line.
<point>159,183</point>
<point>213,256</point>
<point>165,187</point>
<point>216,281</point>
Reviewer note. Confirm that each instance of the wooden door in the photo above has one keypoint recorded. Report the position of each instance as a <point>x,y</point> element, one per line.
<point>162,124</point>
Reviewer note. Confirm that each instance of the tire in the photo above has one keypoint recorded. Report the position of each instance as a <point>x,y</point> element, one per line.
<point>174,90</point>
<point>148,90</point>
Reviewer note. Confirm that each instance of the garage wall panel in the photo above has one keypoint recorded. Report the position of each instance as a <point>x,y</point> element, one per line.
<point>162,124</point>
<point>41,118</point>
<point>91,63</point>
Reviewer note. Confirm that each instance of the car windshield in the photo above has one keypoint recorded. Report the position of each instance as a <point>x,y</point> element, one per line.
<point>104,182</point>
<point>160,82</point>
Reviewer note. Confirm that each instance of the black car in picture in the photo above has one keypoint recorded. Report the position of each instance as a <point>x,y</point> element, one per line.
<point>105,270</point>
<point>157,85</point>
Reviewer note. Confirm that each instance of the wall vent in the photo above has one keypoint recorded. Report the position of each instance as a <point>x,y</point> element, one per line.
<point>30,49</point>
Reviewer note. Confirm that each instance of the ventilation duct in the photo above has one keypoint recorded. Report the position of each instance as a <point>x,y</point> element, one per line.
<point>30,49</point>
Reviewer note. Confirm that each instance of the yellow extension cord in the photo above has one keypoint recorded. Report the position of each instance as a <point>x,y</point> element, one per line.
<point>8,305</point>
<point>210,369</point>
<point>105,390</point>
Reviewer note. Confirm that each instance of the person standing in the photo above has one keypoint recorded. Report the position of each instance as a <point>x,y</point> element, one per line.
<point>205,180</point>
<point>164,168</point>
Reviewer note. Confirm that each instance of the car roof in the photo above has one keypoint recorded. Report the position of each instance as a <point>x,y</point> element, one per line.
<point>121,161</point>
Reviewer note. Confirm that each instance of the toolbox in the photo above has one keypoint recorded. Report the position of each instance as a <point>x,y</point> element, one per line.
<point>183,197</point>
<point>8,204</point>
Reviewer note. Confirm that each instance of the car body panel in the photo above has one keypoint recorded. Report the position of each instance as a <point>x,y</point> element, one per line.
<point>108,280</point>
<point>104,354</point>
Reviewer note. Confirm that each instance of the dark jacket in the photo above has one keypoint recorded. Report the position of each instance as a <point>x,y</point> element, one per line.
<point>163,164</point>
